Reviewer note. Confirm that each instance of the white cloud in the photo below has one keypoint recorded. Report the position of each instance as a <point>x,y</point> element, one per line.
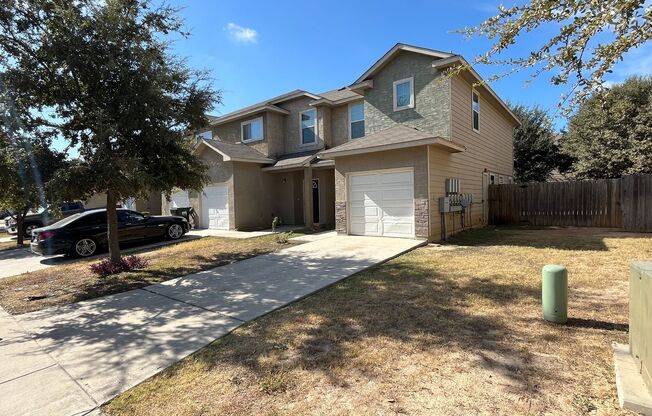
<point>241,34</point>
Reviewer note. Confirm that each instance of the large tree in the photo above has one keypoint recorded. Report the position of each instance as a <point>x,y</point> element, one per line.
<point>590,37</point>
<point>100,74</point>
<point>611,134</point>
<point>536,153</point>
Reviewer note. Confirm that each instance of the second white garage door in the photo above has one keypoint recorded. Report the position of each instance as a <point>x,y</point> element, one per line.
<point>382,204</point>
<point>215,207</point>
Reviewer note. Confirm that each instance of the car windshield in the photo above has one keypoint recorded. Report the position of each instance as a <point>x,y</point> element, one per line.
<point>67,220</point>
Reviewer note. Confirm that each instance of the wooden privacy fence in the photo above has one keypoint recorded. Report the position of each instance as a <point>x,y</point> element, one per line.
<point>621,203</point>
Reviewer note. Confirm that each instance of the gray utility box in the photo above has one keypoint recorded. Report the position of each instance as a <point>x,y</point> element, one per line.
<point>445,205</point>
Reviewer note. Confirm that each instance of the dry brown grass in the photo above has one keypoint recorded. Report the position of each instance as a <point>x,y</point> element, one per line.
<point>442,330</point>
<point>8,245</point>
<point>74,282</point>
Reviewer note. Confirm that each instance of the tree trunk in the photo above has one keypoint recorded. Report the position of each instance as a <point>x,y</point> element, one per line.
<point>20,220</point>
<point>19,229</point>
<point>112,226</point>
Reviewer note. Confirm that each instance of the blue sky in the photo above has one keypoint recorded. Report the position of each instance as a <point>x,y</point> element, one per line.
<point>255,51</point>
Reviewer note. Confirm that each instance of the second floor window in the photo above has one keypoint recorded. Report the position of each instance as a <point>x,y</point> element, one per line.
<point>356,119</point>
<point>476,111</point>
<point>252,130</point>
<point>404,94</point>
<point>308,133</point>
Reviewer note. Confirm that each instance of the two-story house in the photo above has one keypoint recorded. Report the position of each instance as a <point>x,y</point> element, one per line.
<point>371,158</point>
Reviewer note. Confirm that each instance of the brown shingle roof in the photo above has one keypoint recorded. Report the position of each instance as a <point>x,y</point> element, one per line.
<point>295,160</point>
<point>398,136</point>
<point>236,152</point>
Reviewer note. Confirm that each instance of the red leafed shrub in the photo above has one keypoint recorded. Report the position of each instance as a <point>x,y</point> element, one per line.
<point>106,267</point>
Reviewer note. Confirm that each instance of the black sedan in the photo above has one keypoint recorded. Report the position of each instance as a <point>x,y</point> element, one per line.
<point>84,234</point>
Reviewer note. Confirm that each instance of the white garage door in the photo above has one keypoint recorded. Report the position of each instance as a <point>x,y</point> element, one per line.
<point>215,207</point>
<point>382,204</point>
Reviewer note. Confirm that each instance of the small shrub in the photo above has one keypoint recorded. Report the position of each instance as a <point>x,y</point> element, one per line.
<point>106,267</point>
<point>283,238</point>
<point>275,223</point>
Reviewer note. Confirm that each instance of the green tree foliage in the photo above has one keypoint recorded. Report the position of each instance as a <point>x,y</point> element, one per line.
<point>591,36</point>
<point>26,168</point>
<point>611,134</point>
<point>536,153</point>
<point>99,75</point>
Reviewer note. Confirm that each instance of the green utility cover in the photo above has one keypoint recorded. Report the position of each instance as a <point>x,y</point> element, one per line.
<point>554,293</point>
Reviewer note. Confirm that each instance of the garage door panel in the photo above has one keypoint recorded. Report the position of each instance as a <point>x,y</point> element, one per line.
<point>397,229</point>
<point>215,207</point>
<point>389,194</point>
<point>396,178</point>
<point>382,203</point>
<point>364,180</point>
<point>398,212</point>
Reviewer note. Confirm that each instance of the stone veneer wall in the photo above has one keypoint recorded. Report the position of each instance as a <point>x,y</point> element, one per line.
<point>421,218</point>
<point>340,217</point>
<point>432,97</point>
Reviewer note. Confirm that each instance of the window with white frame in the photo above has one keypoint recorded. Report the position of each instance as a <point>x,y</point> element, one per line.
<point>308,127</point>
<point>404,94</point>
<point>476,111</point>
<point>356,120</point>
<point>252,130</point>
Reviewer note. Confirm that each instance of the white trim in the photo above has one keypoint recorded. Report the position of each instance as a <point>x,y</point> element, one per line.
<point>301,143</point>
<point>262,130</point>
<point>492,176</point>
<point>347,181</point>
<point>474,93</point>
<point>394,85</point>
<point>348,117</point>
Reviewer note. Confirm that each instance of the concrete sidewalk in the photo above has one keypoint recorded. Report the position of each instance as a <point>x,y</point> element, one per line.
<point>105,346</point>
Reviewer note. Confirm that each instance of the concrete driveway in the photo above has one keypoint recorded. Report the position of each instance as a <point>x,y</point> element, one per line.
<point>22,260</point>
<point>86,353</point>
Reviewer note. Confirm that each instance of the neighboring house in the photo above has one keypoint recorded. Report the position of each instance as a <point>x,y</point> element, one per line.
<point>371,158</point>
<point>151,205</point>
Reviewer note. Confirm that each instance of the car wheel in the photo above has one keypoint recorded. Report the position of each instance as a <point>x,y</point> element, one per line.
<point>174,231</point>
<point>84,247</point>
<point>28,228</point>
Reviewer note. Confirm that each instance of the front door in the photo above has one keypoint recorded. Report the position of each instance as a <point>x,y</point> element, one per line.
<point>315,201</point>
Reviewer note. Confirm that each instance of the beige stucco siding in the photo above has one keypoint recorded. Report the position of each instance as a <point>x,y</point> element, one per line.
<point>253,191</point>
<point>292,141</point>
<point>340,129</point>
<point>490,149</point>
<point>232,133</point>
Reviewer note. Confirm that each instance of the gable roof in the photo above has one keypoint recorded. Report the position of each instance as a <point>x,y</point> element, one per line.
<point>459,60</point>
<point>267,105</point>
<point>234,152</point>
<point>384,60</point>
<point>396,137</point>
<point>293,161</point>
